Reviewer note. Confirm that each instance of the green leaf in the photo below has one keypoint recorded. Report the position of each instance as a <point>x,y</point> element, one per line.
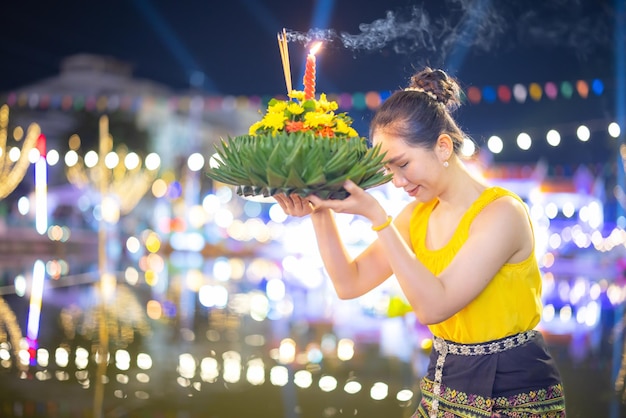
<point>274,178</point>
<point>295,180</point>
<point>300,163</point>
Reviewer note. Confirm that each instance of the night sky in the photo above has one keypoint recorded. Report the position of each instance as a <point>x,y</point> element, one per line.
<point>371,45</point>
<point>230,48</point>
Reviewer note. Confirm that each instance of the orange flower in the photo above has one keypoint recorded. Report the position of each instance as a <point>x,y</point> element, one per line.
<point>326,131</point>
<point>295,126</point>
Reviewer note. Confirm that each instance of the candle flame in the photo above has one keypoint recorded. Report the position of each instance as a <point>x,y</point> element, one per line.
<point>316,47</point>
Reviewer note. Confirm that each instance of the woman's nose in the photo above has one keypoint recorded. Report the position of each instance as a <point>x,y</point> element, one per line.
<point>398,181</point>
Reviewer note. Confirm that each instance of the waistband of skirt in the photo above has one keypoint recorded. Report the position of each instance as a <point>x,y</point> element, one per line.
<point>491,347</point>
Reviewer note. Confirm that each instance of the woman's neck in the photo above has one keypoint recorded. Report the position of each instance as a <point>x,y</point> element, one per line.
<point>462,188</point>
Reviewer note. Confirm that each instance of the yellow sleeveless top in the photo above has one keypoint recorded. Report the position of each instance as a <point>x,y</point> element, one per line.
<point>511,302</point>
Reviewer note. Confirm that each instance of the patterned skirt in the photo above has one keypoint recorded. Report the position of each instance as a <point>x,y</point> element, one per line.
<point>513,377</point>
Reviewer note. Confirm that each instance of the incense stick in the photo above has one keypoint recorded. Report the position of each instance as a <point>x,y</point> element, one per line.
<point>284,55</point>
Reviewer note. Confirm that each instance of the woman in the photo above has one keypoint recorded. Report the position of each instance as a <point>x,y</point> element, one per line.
<point>463,254</point>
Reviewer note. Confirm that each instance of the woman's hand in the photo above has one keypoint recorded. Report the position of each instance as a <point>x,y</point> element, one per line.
<point>294,204</point>
<point>358,203</point>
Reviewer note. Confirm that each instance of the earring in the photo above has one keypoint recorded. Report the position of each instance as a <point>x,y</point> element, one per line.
<point>446,164</point>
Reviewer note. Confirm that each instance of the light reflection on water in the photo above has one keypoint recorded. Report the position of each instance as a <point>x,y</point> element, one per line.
<point>237,336</point>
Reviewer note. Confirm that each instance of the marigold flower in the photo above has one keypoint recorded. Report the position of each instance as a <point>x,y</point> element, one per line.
<point>326,131</point>
<point>295,126</point>
<point>297,115</point>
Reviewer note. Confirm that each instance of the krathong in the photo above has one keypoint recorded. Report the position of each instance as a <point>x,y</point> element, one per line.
<point>301,145</point>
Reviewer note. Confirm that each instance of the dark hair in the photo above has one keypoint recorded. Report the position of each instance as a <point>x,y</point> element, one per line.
<point>422,111</point>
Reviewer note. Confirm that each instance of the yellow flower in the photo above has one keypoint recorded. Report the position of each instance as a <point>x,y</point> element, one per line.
<point>277,107</point>
<point>324,105</point>
<point>275,121</point>
<point>295,108</point>
<point>297,94</point>
<point>254,127</point>
<point>352,132</point>
<point>342,127</point>
<point>318,119</point>
<point>297,114</point>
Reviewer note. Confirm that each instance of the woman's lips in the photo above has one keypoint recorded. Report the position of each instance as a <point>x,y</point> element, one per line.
<point>413,191</point>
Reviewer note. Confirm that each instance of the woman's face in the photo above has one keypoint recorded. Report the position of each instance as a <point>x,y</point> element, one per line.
<point>414,169</point>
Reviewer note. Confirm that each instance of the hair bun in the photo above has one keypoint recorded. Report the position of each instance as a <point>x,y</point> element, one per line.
<point>437,85</point>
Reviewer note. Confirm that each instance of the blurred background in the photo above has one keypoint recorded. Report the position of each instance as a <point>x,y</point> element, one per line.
<point>133,286</point>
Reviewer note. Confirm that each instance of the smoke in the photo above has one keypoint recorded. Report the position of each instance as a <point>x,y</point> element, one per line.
<point>481,26</point>
<point>572,25</point>
<point>399,31</point>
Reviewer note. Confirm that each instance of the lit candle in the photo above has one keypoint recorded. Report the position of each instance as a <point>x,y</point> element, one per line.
<point>309,73</point>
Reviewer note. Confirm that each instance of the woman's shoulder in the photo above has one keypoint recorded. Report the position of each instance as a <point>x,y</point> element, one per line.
<point>413,214</point>
<point>491,193</point>
<point>407,211</point>
<point>507,197</point>
<point>493,197</point>
<point>506,220</point>
<point>501,208</point>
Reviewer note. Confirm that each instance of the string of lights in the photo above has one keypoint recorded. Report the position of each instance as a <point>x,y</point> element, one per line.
<point>517,93</point>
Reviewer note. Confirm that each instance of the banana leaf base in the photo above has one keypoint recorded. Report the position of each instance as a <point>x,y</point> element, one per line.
<point>302,163</point>
<point>248,191</point>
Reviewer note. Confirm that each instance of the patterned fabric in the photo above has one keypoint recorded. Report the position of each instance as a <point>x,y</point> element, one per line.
<point>540,403</point>
<point>486,348</point>
<point>520,382</point>
<point>443,347</point>
<point>483,368</point>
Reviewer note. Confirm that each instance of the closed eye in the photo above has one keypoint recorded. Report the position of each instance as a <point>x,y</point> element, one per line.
<point>389,170</point>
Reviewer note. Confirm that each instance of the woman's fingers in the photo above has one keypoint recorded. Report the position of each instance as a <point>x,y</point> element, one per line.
<point>351,186</point>
<point>300,203</point>
<point>296,205</point>
<point>293,204</point>
<point>281,199</point>
<point>316,201</point>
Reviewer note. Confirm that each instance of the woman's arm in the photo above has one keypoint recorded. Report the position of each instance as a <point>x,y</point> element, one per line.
<point>500,233</point>
<point>351,277</point>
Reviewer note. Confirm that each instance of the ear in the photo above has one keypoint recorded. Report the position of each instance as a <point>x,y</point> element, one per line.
<point>444,147</point>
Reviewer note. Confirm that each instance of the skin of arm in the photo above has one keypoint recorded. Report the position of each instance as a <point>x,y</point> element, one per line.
<point>355,277</point>
<point>499,234</point>
<point>351,278</point>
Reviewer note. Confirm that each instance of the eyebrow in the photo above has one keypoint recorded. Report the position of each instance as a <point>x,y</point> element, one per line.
<point>395,159</point>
